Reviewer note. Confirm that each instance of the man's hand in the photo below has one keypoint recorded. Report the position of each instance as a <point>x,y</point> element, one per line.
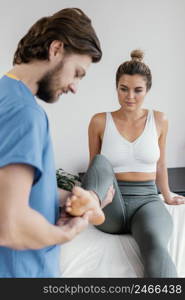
<point>73,225</point>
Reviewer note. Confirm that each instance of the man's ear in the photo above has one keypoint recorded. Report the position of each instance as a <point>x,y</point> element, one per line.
<point>56,49</point>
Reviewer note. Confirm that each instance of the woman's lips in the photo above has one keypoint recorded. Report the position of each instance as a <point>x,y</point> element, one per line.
<point>130,103</point>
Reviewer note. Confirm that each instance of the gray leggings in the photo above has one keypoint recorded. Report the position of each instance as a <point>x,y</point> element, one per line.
<point>136,209</point>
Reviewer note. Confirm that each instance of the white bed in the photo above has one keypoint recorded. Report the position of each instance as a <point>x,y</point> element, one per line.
<point>96,254</point>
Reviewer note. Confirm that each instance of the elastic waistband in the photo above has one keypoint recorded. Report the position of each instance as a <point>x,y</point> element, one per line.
<point>139,183</point>
<point>139,188</point>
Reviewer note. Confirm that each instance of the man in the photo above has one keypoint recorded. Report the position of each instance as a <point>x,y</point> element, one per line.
<point>49,61</point>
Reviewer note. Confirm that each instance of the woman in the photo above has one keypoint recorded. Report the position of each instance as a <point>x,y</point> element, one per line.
<point>127,149</point>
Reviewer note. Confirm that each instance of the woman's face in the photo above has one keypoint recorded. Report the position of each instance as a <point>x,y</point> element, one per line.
<point>131,91</point>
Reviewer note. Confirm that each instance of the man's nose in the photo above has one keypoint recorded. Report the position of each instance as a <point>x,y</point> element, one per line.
<point>73,87</point>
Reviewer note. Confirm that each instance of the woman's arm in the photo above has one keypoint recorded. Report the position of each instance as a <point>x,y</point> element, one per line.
<point>162,174</point>
<point>96,130</point>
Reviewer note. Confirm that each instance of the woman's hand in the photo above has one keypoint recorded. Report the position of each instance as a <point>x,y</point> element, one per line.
<point>176,200</point>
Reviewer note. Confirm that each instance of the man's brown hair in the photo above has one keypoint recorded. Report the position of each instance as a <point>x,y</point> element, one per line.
<point>70,26</point>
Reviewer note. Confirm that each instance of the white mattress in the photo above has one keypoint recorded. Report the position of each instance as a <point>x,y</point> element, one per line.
<point>96,254</point>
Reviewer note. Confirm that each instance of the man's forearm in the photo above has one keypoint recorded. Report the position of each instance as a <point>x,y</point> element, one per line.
<point>31,230</point>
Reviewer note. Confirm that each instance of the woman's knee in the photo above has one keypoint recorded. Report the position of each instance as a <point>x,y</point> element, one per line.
<point>157,240</point>
<point>100,161</point>
<point>166,222</point>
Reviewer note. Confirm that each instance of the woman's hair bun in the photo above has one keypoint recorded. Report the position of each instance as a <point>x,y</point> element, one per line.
<point>137,55</point>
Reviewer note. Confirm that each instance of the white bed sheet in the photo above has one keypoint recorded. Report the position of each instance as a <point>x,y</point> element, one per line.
<point>97,254</point>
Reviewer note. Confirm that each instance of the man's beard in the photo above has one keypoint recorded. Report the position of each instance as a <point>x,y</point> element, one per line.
<point>46,84</point>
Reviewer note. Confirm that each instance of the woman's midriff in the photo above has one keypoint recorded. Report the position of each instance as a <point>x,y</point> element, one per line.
<point>135,176</point>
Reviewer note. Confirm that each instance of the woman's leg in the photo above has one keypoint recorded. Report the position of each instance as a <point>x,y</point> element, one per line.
<point>151,227</point>
<point>98,178</point>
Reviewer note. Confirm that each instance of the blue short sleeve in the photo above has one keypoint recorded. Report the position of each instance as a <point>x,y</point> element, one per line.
<point>25,139</point>
<point>22,136</point>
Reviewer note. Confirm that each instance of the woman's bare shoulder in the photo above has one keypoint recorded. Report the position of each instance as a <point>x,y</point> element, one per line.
<point>161,121</point>
<point>97,123</point>
<point>160,117</point>
<point>98,119</point>
<point>99,116</point>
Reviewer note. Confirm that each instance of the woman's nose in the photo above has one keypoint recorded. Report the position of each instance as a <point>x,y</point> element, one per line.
<point>130,94</point>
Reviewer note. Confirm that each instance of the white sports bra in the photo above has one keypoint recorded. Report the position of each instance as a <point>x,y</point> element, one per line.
<point>140,155</point>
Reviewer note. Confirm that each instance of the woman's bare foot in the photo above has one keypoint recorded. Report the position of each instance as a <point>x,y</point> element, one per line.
<point>82,201</point>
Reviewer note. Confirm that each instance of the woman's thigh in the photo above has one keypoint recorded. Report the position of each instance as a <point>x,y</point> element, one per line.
<point>152,223</point>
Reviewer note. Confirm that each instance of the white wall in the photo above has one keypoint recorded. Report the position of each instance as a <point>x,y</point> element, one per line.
<point>156,26</point>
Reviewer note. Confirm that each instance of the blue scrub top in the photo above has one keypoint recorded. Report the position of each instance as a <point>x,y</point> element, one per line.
<point>25,138</point>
